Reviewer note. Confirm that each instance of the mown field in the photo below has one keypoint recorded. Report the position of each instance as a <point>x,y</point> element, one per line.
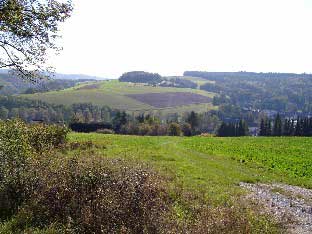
<point>115,94</point>
<point>215,166</point>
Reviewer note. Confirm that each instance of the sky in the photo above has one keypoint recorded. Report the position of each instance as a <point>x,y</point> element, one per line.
<point>109,37</point>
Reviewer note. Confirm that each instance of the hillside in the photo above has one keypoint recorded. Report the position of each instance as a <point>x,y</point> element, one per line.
<point>282,92</point>
<point>11,85</point>
<point>131,97</point>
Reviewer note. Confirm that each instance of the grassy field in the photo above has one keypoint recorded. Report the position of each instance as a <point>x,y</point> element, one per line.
<point>215,166</point>
<point>113,93</point>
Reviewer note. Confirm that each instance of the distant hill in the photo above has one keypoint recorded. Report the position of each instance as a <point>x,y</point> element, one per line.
<point>77,77</point>
<point>11,85</point>
<point>64,76</point>
<point>244,75</point>
<point>131,97</point>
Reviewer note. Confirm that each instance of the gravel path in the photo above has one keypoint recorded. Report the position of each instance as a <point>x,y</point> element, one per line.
<point>290,205</point>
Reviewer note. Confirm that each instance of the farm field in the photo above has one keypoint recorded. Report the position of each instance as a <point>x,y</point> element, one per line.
<point>163,100</point>
<point>215,166</point>
<point>115,94</point>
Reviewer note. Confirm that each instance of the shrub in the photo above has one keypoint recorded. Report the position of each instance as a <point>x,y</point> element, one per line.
<point>96,195</point>
<point>130,129</point>
<point>18,144</point>
<point>145,129</point>
<point>174,130</point>
<point>46,137</point>
<point>187,129</point>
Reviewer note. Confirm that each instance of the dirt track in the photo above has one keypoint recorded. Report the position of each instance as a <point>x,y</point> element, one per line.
<point>290,205</point>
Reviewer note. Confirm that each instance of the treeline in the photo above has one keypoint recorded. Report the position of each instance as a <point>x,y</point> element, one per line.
<point>233,129</point>
<point>148,125</point>
<point>33,110</point>
<point>243,74</point>
<point>178,83</point>
<point>156,79</point>
<point>286,127</point>
<point>141,77</point>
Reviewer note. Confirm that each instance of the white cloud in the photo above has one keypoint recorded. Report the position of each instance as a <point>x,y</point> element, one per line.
<point>109,37</point>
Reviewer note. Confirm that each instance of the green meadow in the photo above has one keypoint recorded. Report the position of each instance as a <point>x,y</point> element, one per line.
<point>211,166</point>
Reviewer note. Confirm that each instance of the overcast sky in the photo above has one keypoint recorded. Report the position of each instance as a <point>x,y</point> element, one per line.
<point>110,37</point>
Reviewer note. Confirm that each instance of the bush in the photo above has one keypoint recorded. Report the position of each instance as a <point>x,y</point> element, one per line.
<point>187,129</point>
<point>19,143</point>
<point>105,131</point>
<point>174,130</point>
<point>145,129</point>
<point>96,195</point>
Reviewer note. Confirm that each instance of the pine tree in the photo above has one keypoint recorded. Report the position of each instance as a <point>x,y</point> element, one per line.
<point>222,130</point>
<point>286,128</point>
<point>262,128</point>
<point>277,128</point>
<point>242,128</point>
<point>268,127</point>
<point>193,120</point>
<point>298,129</point>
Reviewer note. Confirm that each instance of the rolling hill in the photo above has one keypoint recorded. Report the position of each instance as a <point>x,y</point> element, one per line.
<point>10,84</point>
<point>131,97</point>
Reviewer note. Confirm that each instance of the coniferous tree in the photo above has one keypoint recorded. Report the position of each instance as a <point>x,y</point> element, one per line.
<point>292,127</point>
<point>277,128</point>
<point>287,128</point>
<point>242,128</point>
<point>268,127</point>
<point>262,128</point>
<point>298,129</point>
<point>193,120</point>
<point>222,130</point>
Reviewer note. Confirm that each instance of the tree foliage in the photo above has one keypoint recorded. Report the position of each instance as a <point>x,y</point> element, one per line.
<point>301,126</point>
<point>233,129</point>
<point>28,29</point>
<point>141,77</point>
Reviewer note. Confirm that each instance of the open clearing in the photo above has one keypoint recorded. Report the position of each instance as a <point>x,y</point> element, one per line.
<point>115,94</point>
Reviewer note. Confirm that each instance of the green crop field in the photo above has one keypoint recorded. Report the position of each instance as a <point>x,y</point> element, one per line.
<point>215,166</point>
<point>113,93</point>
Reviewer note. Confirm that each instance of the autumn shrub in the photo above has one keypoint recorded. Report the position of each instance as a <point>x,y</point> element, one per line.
<point>46,137</point>
<point>96,195</point>
<point>186,129</point>
<point>20,142</point>
<point>145,129</point>
<point>174,130</point>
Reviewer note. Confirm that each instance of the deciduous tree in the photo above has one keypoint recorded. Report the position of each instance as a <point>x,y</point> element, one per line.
<point>28,29</point>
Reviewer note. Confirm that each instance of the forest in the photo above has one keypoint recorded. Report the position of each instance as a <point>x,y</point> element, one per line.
<point>282,92</point>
